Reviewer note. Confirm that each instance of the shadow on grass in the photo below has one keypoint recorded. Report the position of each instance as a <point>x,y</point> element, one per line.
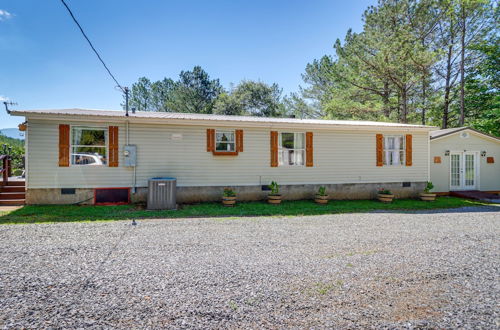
<point>68,213</point>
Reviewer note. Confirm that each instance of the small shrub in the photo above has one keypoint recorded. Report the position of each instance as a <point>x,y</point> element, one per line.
<point>228,192</point>
<point>428,187</point>
<point>384,191</point>
<point>275,188</point>
<point>322,191</point>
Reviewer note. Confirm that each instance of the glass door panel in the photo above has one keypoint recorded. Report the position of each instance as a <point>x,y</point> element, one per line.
<point>455,179</point>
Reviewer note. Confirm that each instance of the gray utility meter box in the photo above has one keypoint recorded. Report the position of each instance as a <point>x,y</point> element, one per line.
<point>162,194</point>
<point>130,155</point>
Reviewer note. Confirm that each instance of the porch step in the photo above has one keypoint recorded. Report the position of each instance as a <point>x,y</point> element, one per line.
<point>16,183</point>
<point>12,202</point>
<point>9,189</point>
<point>12,195</point>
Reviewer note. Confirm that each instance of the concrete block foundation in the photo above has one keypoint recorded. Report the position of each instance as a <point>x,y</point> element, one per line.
<point>189,195</point>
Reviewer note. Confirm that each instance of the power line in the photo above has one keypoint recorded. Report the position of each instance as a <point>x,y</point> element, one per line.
<point>124,89</point>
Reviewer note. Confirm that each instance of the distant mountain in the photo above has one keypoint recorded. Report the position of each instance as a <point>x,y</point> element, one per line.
<point>12,133</point>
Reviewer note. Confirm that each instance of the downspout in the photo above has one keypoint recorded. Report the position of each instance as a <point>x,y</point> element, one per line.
<point>428,156</point>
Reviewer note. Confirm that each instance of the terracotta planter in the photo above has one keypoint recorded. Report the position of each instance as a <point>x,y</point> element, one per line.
<point>321,199</point>
<point>385,198</point>
<point>429,197</point>
<point>229,201</point>
<point>22,127</point>
<point>274,199</point>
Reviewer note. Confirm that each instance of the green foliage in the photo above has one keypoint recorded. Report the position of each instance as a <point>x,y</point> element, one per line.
<point>68,213</point>
<point>251,98</point>
<point>17,152</point>
<point>405,66</point>
<point>275,188</point>
<point>228,192</point>
<point>322,191</point>
<point>384,191</point>
<point>428,187</point>
<point>482,88</point>
<point>193,92</point>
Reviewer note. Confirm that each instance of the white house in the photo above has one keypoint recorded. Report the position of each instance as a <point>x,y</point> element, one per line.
<point>72,153</point>
<point>464,159</point>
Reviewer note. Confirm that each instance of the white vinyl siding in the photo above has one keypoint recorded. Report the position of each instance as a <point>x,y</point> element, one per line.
<point>444,173</point>
<point>339,157</point>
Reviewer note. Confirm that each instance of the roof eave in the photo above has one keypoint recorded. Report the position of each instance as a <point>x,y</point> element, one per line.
<point>213,122</point>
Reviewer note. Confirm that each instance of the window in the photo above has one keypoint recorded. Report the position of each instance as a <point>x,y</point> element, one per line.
<point>224,141</point>
<point>394,150</point>
<point>291,149</point>
<point>88,146</point>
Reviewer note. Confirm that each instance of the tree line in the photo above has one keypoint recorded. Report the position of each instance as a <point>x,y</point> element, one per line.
<point>434,62</point>
<point>196,92</point>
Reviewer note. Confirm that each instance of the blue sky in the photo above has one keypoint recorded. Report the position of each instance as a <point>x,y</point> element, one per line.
<point>46,63</point>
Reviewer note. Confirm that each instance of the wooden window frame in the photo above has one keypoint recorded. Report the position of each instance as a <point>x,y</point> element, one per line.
<point>212,142</point>
<point>234,142</point>
<point>106,147</point>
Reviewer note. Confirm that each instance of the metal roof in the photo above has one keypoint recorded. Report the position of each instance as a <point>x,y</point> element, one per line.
<point>156,116</point>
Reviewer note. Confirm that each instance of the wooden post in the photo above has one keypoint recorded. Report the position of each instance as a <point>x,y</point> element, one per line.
<point>9,167</point>
<point>5,174</point>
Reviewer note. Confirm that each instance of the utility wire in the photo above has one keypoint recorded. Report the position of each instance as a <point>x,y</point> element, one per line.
<point>124,89</point>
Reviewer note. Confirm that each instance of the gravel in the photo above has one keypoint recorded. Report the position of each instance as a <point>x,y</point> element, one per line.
<point>403,270</point>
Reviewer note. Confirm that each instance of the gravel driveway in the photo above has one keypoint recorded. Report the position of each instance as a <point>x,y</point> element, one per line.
<point>435,269</point>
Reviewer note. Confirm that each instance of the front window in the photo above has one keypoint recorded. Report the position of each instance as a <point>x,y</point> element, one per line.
<point>291,149</point>
<point>224,141</point>
<point>88,146</point>
<point>394,150</point>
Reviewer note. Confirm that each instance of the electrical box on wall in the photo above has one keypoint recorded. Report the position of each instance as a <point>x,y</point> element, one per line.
<point>130,155</point>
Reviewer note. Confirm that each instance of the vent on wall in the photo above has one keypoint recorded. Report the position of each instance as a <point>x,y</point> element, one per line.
<point>111,196</point>
<point>464,135</point>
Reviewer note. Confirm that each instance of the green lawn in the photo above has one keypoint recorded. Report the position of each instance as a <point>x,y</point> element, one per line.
<point>66,213</point>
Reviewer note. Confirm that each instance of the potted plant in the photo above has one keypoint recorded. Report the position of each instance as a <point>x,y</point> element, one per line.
<point>321,196</point>
<point>274,196</point>
<point>427,195</point>
<point>228,197</point>
<point>385,195</point>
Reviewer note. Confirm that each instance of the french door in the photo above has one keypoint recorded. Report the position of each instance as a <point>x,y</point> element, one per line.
<point>463,170</point>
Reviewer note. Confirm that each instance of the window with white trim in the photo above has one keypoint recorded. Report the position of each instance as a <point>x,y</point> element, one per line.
<point>88,146</point>
<point>394,150</point>
<point>224,141</point>
<point>291,149</point>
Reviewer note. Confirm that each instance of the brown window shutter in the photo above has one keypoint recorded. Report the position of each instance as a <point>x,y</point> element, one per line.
<point>409,150</point>
<point>210,140</point>
<point>309,149</point>
<point>64,145</point>
<point>113,146</point>
<point>274,149</point>
<point>239,140</point>
<point>380,150</point>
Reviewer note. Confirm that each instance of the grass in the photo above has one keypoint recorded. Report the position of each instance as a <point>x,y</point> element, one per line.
<point>67,213</point>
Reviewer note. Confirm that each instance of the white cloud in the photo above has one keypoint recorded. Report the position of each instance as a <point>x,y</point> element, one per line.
<point>4,15</point>
<point>3,98</point>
